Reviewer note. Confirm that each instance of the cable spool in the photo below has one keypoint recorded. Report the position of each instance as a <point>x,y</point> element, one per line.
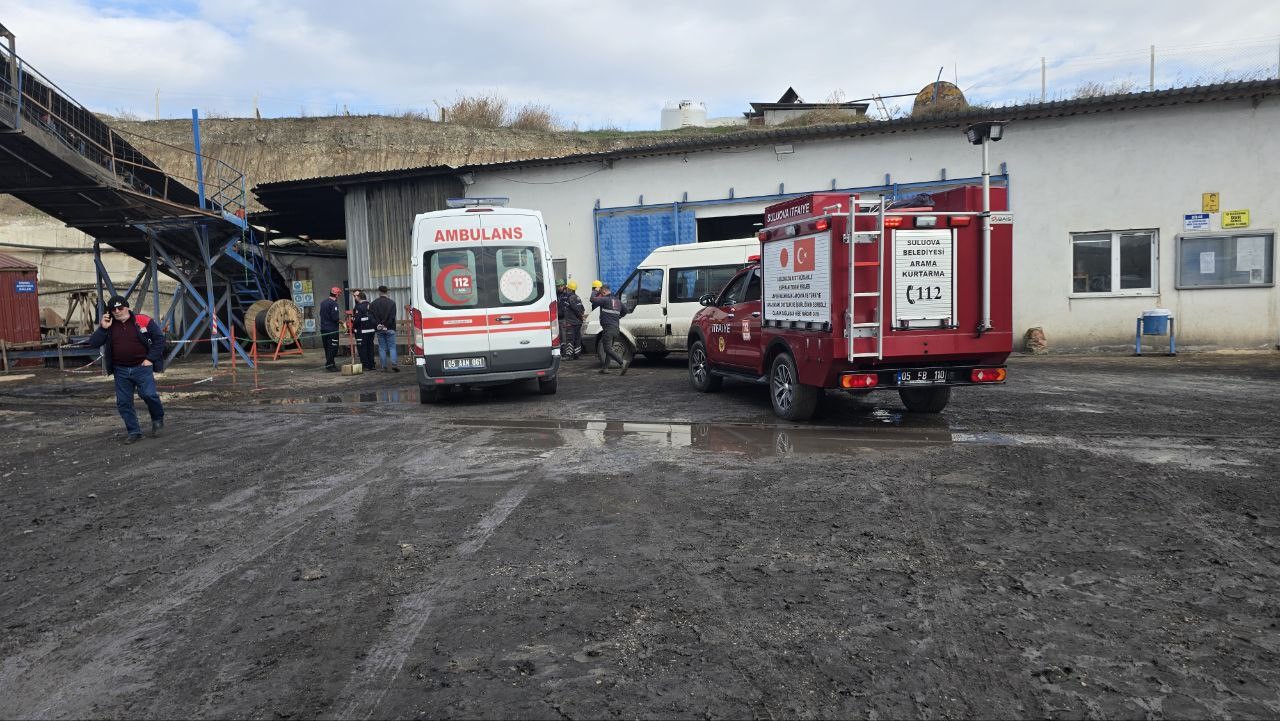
<point>271,317</point>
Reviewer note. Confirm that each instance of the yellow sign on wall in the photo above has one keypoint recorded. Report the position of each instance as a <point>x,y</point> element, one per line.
<point>1235,219</point>
<point>1208,202</point>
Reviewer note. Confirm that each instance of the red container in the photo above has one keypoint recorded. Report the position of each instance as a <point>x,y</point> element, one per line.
<point>19,304</point>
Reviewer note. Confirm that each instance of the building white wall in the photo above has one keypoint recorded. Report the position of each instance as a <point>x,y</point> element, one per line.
<point>1133,169</point>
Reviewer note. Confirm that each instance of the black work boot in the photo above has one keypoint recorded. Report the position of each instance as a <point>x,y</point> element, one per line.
<point>132,438</point>
<point>156,428</point>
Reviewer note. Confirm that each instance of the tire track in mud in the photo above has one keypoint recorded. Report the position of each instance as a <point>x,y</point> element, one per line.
<point>963,644</point>
<point>89,669</point>
<point>371,680</point>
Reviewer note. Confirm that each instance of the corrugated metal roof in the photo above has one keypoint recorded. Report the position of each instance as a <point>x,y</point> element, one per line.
<point>8,262</point>
<point>1255,89</point>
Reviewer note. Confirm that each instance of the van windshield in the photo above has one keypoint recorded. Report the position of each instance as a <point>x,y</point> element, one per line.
<point>483,277</point>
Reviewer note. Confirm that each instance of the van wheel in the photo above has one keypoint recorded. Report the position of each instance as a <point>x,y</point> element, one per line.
<point>925,400</point>
<point>700,375</point>
<point>656,355</point>
<point>621,348</point>
<point>428,395</point>
<point>547,387</point>
<point>792,400</point>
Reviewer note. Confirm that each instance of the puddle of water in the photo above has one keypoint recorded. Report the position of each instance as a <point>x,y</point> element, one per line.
<point>381,395</point>
<point>749,440</point>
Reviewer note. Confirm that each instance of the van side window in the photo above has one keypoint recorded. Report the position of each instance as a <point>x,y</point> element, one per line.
<point>690,284</point>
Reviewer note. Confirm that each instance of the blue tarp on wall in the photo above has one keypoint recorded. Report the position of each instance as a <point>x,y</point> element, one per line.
<point>623,240</point>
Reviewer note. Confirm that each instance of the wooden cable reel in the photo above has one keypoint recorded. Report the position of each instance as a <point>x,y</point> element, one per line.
<point>271,317</point>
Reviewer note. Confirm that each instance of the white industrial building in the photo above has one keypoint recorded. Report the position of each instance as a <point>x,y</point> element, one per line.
<point>1112,199</point>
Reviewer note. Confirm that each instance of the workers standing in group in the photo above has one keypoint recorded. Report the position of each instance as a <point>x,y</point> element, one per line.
<point>611,312</point>
<point>572,314</point>
<point>363,326</point>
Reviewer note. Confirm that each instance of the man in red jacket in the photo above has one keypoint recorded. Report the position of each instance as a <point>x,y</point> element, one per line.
<point>133,350</point>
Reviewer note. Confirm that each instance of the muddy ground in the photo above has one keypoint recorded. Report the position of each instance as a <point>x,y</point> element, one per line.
<point>1097,538</point>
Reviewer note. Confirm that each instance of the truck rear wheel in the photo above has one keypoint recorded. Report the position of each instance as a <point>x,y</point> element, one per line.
<point>700,375</point>
<point>792,400</point>
<point>925,400</point>
<point>428,395</point>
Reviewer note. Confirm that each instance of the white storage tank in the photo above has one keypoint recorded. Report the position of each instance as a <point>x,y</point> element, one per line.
<point>683,114</point>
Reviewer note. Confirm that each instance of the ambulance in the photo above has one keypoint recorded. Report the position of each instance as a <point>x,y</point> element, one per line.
<point>483,308</point>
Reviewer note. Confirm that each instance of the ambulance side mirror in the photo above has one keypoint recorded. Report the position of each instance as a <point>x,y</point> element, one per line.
<point>707,299</point>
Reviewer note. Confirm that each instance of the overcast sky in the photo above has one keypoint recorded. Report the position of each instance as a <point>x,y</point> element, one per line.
<point>601,64</point>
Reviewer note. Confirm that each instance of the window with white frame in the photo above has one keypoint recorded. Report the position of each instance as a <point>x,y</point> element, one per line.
<point>1226,260</point>
<point>1120,262</point>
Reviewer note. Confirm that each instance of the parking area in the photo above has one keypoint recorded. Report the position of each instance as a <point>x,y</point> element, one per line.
<point>1098,537</point>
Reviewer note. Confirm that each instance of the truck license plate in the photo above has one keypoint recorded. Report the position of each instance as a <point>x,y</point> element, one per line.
<point>922,377</point>
<point>464,364</point>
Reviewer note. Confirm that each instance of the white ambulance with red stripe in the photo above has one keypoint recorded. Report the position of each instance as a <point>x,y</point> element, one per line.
<point>484,303</point>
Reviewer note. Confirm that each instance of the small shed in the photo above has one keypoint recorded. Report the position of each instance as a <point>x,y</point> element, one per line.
<point>19,301</point>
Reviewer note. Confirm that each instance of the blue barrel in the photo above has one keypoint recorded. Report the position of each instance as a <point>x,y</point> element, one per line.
<point>1156,321</point>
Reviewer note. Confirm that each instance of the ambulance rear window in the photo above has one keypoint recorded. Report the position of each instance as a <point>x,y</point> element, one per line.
<point>484,277</point>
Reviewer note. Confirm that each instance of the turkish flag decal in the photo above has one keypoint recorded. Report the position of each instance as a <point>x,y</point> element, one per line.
<point>803,255</point>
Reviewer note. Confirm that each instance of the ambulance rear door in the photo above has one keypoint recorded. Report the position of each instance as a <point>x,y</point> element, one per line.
<point>519,290</point>
<point>455,322</point>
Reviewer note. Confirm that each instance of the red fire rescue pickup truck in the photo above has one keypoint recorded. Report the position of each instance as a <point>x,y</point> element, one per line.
<point>863,296</point>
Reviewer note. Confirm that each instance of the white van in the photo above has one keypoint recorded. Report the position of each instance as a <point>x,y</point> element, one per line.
<point>662,295</point>
<point>484,303</point>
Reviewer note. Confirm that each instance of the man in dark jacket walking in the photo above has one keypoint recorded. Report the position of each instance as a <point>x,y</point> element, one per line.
<point>133,351</point>
<point>330,316</point>
<point>571,316</point>
<point>383,310</point>
<point>611,311</point>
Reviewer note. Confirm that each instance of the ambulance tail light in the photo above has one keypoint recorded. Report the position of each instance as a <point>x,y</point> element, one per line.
<point>859,380</point>
<point>893,221</point>
<point>415,333</point>
<point>555,324</point>
<point>988,375</point>
<point>959,221</point>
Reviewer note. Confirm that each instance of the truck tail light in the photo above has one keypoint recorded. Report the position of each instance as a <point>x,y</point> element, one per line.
<point>763,235</point>
<point>893,221</point>
<point>822,224</point>
<point>859,380</point>
<point>926,221</point>
<point>987,375</point>
<point>555,324</point>
<point>959,221</point>
<point>415,331</point>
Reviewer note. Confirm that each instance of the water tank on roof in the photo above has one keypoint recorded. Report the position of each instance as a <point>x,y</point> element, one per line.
<point>684,114</point>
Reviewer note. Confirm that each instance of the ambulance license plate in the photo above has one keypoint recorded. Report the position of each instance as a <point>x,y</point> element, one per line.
<point>923,377</point>
<point>464,364</point>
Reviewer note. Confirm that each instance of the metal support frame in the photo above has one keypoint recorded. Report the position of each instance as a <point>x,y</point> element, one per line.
<point>198,308</point>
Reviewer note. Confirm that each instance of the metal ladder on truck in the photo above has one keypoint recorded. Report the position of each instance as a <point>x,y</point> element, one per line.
<point>860,299</point>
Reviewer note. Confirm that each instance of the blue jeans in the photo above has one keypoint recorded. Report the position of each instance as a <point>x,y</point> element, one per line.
<point>142,380</point>
<point>386,344</point>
